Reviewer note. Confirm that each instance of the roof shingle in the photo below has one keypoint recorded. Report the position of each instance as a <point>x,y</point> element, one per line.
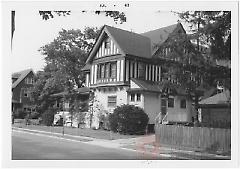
<point>131,43</point>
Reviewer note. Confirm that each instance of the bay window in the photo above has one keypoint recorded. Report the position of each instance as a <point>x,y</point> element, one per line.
<point>106,70</point>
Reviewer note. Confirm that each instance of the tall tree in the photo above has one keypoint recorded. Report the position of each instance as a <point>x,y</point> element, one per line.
<point>212,28</point>
<point>68,52</point>
<point>189,67</point>
<point>64,56</point>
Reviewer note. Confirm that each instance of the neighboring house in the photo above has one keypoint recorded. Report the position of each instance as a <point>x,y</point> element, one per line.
<point>82,95</point>
<point>21,83</point>
<point>81,103</point>
<point>121,69</point>
<point>215,111</point>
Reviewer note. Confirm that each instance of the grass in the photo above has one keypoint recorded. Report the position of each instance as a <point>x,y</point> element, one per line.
<point>99,134</point>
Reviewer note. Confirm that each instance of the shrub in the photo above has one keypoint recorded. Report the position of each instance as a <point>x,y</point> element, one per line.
<point>48,117</point>
<point>128,119</point>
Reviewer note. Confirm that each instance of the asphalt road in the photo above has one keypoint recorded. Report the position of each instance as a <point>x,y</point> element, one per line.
<point>27,146</point>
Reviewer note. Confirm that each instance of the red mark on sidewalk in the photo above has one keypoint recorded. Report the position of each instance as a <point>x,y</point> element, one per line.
<point>147,148</point>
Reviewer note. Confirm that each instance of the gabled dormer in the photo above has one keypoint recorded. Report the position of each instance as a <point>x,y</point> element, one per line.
<point>160,37</point>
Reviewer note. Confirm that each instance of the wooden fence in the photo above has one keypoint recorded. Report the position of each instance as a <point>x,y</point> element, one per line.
<point>212,139</point>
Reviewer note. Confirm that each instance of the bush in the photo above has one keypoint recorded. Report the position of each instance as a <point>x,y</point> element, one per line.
<point>48,117</point>
<point>128,119</point>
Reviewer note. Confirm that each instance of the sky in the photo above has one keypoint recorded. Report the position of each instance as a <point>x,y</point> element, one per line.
<point>32,32</point>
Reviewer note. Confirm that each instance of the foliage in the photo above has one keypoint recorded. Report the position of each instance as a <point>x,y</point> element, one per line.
<point>195,70</point>
<point>118,17</point>
<point>212,28</point>
<point>46,84</point>
<point>34,115</point>
<point>65,57</point>
<point>48,116</point>
<point>128,119</point>
<point>49,14</point>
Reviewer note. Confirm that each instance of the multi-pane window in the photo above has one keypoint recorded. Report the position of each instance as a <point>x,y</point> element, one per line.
<point>102,69</point>
<point>113,69</point>
<point>170,102</point>
<point>106,70</point>
<point>138,97</point>
<point>183,104</point>
<point>29,80</point>
<point>141,71</point>
<point>112,101</point>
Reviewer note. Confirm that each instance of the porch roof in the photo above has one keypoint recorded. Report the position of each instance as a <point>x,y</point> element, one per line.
<point>150,86</point>
<point>82,90</point>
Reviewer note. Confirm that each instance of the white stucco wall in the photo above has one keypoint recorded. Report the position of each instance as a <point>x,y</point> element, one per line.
<point>101,97</point>
<point>133,85</point>
<point>178,114</point>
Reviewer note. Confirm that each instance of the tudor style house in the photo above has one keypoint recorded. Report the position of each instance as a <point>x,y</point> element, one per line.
<point>21,83</point>
<point>120,69</point>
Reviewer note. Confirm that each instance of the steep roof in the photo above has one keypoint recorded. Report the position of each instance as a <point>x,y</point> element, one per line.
<point>159,36</point>
<point>82,90</point>
<point>20,76</point>
<point>131,43</point>
<point>128,42</point>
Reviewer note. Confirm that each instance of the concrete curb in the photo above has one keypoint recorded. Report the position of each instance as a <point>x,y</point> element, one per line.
<point>124,143</point>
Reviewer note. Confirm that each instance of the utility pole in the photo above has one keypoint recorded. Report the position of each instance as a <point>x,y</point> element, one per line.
<point>196,97</point>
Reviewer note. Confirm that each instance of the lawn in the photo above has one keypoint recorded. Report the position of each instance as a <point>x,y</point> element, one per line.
<point>100,134</point>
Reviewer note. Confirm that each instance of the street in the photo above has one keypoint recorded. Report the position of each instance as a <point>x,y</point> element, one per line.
<point>28,146</point>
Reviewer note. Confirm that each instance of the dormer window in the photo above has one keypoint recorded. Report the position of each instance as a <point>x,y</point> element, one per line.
<point>107,43</point>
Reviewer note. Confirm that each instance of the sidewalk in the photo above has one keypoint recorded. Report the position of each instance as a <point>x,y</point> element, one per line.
<point>142,144</point>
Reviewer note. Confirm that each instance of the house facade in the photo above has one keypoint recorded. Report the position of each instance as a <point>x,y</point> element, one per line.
<point>121,69</point>
<point>21,83</point>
